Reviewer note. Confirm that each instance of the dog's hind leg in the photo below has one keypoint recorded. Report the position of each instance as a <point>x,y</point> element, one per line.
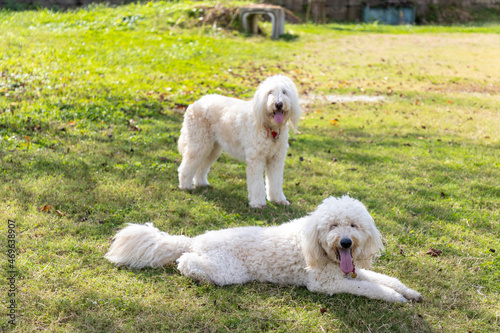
<point>211,269</point>
<point>200,178</point>
<point>195,150</point>
<point>274,180</point>
<point>187,169</point>
<point>255,183</point>
<point>191,265</point>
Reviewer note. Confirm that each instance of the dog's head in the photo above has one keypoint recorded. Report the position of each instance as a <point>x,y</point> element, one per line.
<point>276,102</point>
<point>342,231</point>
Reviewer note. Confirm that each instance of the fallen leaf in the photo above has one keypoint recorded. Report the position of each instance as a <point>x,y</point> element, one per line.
<point>46,208</point>
<point>492,250</point>
<point>443,195</point>
<point>449,102</point>
<point>60,213</point>
<point>323,310</point>
<point>434,252</point>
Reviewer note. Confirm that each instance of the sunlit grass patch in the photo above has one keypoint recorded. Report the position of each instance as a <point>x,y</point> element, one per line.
<point>91,105</point>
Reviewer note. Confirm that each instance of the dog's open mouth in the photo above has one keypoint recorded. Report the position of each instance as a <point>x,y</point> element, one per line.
<point>279,116</point>
<point>345,258</point>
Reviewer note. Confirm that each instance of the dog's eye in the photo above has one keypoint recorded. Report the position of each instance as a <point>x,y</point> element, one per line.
<point>284,92</point>
<point>333,226</point>
<point>353,226</point>
<point>270,93</point>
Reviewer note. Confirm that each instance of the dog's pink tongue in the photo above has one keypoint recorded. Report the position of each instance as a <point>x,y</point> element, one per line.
<point>346,261</point>
<point>278,117</point>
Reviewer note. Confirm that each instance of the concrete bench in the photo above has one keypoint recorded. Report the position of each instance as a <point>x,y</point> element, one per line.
<point>249,18</point>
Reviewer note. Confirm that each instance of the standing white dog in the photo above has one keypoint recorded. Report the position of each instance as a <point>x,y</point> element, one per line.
<point>328,251</point>
<point>255,132</point>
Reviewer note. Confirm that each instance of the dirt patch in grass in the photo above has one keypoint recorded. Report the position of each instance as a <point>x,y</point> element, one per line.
<point>473,88</point>
<point>340,99</point>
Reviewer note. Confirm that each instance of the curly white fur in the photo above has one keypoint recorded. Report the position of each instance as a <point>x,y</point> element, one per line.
<point>304,252</point>
<point>255,132</point>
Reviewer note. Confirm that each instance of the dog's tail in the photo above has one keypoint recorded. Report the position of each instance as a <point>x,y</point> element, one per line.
<point>140,245</point>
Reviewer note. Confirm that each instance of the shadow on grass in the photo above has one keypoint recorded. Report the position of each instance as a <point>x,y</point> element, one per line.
<point>259,306</point>
<point>233,202</point>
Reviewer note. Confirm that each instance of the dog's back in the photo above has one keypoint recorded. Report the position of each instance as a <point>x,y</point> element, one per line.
<point>208,111</point>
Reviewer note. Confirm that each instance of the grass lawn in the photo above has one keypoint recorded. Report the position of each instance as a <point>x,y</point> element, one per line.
<point>91,104</point>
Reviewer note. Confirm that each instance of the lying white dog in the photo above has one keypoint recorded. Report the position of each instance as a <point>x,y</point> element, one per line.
<point>255,132</point>
<point>328,251</point>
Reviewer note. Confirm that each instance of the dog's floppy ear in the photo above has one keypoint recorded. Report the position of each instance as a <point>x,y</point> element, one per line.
<point>294,101</point>
<point>314,254</point>
<point>372,246</point>
<point>259,103</point>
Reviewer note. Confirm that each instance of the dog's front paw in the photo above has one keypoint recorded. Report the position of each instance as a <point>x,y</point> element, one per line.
<point>201,184</point>
<point>186,188</point>
<point>401,299</point>
<point>393,296</point>
<point>413,295</point>
<point>283,202</point>
<point>258,205</point>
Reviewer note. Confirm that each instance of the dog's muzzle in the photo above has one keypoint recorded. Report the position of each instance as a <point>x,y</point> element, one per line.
<point>278,115</point>
<point>344,254</point>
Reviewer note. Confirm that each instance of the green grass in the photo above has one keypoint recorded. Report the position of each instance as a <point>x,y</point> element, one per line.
<point>90,114</point>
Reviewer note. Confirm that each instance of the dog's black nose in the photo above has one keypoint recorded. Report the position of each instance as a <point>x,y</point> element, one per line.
<point>345,243</point>
<point>278,105</point>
